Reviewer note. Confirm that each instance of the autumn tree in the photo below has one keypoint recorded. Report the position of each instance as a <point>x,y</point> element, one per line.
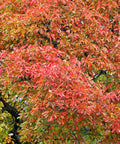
<point>59,69</point>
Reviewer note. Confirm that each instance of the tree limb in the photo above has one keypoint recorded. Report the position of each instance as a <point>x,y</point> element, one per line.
<point>15,113</point>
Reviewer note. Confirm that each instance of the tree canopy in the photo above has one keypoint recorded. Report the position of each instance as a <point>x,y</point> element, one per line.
<point>59,71</point>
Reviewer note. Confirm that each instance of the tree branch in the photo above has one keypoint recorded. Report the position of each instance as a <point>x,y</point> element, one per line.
<point>15,113</point>
<point>99,74</point>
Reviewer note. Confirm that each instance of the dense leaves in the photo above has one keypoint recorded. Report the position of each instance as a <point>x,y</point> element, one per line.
<point>60,68</point>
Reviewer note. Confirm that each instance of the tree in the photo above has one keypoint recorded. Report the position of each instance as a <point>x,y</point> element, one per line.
<point>60,71</point>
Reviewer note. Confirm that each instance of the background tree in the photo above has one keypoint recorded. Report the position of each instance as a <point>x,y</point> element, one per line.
<point>59,71</point>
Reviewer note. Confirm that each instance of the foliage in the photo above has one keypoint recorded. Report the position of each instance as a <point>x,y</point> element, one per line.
<point>60,68</point>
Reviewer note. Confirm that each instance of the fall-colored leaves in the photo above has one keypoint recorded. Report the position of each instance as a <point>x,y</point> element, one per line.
<point>53,54</point>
